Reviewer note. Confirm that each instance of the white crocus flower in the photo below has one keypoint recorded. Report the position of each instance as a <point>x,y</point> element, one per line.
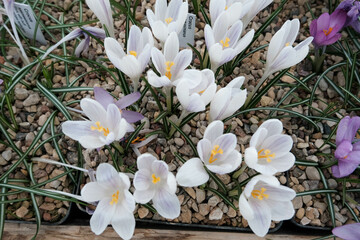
<point>228,100</point>
<point>253,7</point>
<point>269,150</point>
<point>216,151</point>
<point>103,127</point>
<point>196,89</point>
<point>263,200</point>
<point>235,9</point>
<point>115,203</point>
<point>102,10</point>
<point>138,53</point>
<point>170,64</point>
<point>153,181</point>
<point>281,53</point>
<point>224,40</point>
<point>167,19</point>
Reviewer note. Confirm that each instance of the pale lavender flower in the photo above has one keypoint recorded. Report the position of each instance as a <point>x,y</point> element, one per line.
<point>84,44</point>
<point>105,99</point>
<point>348,231</point>
<point>352,9</point>
<point>347,152</point>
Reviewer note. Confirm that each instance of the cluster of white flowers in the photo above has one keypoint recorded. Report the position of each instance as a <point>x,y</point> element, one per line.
<point>263,199</point>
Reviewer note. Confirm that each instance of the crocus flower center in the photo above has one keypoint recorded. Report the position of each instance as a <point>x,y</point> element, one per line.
<point>287,44</point>
<point>226,7</point>
<point>168,20</point>
<point>201,92</point>
<point>328,31</point>
<point>266,154</point>
<point>115,198</point>
<point>226,43</point>
<point>214,151</point>
<point>155,179</point>
<point>260,194</point>
<point>134,53</point>
<point>168,64</point>
<point>100,129</point>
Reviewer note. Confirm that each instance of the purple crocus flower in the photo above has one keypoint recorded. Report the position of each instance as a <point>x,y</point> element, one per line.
<point>84,44</point>
<point>325,29</point>
<point>104,98</point>
<point>348,231</point>
<point>347,152</point>
<point>352,8</point>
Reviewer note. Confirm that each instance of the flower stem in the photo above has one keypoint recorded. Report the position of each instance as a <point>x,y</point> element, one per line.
<point>240,171</point>
<point>119,148</point>
<point>168,99</point>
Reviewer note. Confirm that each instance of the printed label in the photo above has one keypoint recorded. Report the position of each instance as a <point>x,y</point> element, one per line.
<point>187,34</point>
<point>26,21</point>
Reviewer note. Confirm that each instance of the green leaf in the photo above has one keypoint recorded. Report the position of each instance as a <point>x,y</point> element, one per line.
<point>133,135</point>
<point>223,197</point>
<point>188,140</point>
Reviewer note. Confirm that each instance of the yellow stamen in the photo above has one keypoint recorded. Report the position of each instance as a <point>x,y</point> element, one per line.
<point>100,129</point>
<point>115,198</point>
<point>168,20</point>
<point>287,44</point>
<point>155,179</point>
<point>260,194</point>
<point>226,43</point>
<point>169,64</point>
<point>215,151</point>
<point>327,32</point>
<point>226,7</point>
<point>345,157</point>
<point>266,154</point>
<point>134,53</point>
<point>201,92</point>
<point>138,139</point>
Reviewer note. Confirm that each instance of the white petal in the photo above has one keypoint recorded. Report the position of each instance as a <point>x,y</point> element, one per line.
<point>273,126</point>
<point>235,11</point>
<point>283,163</point>
<point>135,42</point>
<point>258,138</point>
<point>107,175</point>
<point>145,161</point>
<point>226,164</point>
<point>192,173</point>
<point>209,36</point>
<point>220,27</point>
<point>123,222</point>
<point>147,37</point>
<point>160,30</point>
<point>279,144</point>
<point>160,169</point>
<point>144,57</point>
<point>171,183</point>
<point>91,142</point>
<point>144,196</point>
<point>280,193</point>
<point>114,51</point>
<point>113,117</point>
<point>158,60</point>
<point>171,47</point>
<point>93,192</point>
<point>262,180</point>
<point>181,61</point>
<point>214,130</point>
<point>181,17</point>
<point>93,110</point>
<point>77,129</point>
<point>227,142</point>
<point>281,210</point>
<point>219,104</point>
<point>125,180</point>
<point>130,66</point>
<point>215,54</point>
<point>216,8</point>
<point>251,159</point>
<point>245,208</point>
<point>204,148</point>
<point>160,9</point>
<point>156,81</point>
<point>261,222</point>
<point>276,44</point>
<point>245,41</point>
<point>102,216</point>
<point>142,179</point>
<point>166,204</point>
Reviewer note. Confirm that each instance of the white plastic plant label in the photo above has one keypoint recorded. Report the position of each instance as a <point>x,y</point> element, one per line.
<point>187,34</point>
<point>25,20</point>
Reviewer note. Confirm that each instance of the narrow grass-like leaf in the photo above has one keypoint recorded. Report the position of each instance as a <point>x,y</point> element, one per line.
<point>188,140</point>
<point>133,135</point>
<point>3,209</point>
<point>179,157</point>
<point>54,100</point>
<point>314,192</point>
<point>328,197</point>
<point>223,197</point>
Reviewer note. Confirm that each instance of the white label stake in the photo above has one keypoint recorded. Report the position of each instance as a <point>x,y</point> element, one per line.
<point>26,21</point>
<point>187,34</point>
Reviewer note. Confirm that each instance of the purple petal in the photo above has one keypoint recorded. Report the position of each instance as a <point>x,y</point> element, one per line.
<point>103,97</point>
<point>347,129</point>
<point>128,100</point>
<point>131,116</point>
<point>343,149</point>
<point>346,166</point>
<point>348,232</point>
